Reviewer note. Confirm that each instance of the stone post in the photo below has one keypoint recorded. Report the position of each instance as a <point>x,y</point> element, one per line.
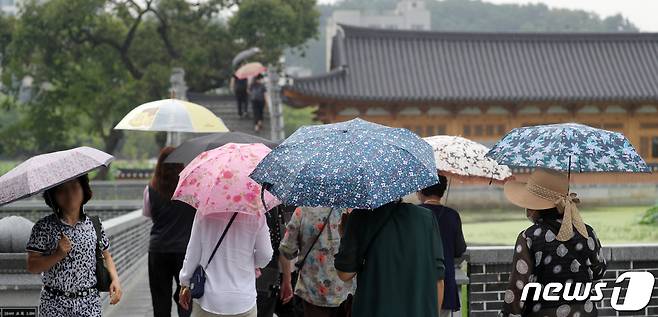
<point>275,106</point>
<point>177,90</point>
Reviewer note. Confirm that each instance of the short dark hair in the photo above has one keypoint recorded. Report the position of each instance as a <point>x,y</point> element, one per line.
<point>49,194</point>
<point>535,215</point>
<point>437,189</point>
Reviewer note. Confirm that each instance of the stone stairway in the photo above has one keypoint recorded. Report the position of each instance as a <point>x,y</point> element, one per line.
<point>224,106</point>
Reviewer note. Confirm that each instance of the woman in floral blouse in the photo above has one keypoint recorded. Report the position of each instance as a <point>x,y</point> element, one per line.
<point>318,284</point>
<point>558,247</point>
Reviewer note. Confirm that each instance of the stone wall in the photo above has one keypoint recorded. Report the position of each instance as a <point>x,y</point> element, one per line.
<point>488,270</point>
<point>111,199</point>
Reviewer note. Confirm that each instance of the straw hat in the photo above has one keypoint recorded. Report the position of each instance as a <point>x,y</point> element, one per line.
<point>546,189</point>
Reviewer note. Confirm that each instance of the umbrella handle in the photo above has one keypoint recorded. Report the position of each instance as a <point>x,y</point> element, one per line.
<point>445,202</point>
<point>262,194</point>
<point>568,169</point>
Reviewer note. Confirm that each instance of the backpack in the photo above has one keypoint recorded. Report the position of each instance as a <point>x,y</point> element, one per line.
<point>257,92</point>
<point>240,86</point>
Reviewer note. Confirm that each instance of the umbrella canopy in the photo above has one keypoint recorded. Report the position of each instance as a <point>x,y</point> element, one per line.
<point>250,70</point>
<point>189,149</point>
<point>465,158</point>
<point>244,55</point>
<point>217,181</point>
<point>172,115</point>
<point>45,171</point>
<point>352,164</point>
<point>568,147</point>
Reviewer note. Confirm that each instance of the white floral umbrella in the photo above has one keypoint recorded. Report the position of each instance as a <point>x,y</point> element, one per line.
<point>465,159</point>
<point>45,171</point>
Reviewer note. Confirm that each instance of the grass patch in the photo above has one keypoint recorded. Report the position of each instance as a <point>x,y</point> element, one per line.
<point>6,166</point>
<point>464,301</point>
<point>650,217</point>
<point>614,225</point>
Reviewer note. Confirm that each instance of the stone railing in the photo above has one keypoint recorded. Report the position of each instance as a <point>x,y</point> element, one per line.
<point>112,190</point>
<point>111,199</point>
<point>129,239</point>
<point>489,268</point>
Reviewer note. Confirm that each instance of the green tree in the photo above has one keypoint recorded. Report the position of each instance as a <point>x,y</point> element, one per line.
<point>6,29</point>
<point>93,60</point>
<point>269,23</point>
<point>298,117</point>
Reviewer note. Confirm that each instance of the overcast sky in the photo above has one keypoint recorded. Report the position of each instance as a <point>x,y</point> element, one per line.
<point>643,13</point>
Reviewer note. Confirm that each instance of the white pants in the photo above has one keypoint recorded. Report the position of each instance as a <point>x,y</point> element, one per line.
<point>197,311</point>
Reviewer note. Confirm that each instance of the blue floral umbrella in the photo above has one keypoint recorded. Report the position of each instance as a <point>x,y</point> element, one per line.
<point>568,147</point>
<point>352,164</point>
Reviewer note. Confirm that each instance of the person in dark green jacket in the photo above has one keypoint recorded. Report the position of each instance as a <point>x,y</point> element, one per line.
<point>396,254</point>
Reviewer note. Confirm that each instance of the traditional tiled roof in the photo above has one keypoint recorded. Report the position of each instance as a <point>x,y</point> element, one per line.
<point>426,66</point>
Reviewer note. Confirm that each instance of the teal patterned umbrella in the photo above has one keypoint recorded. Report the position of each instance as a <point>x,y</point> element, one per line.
<point>568,147</point>
<point>352,164</point>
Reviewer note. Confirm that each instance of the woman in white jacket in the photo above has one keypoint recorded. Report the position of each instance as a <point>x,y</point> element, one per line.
<point>230,288</point>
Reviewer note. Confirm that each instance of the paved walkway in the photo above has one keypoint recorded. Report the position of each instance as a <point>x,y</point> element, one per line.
<point>136,301</point>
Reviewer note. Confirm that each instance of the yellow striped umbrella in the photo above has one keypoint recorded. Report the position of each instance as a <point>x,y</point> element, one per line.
<point>172,115</point>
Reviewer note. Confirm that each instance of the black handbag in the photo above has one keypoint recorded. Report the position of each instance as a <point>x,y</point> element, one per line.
<point>103,278</point>
<point>198,280</point>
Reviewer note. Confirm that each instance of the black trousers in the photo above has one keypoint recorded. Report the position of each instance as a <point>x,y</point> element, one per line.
<point>163,270</point>
<point>242,100</point>
<point>258,107</point>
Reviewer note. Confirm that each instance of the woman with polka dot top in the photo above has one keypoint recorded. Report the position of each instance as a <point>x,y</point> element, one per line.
<point>550,250</point>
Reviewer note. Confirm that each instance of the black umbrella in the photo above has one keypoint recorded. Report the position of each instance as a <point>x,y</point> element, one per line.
<point>189,149</point>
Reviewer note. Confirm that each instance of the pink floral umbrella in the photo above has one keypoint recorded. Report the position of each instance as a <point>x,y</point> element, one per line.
<point>250,70</point>
<point>217,181</point>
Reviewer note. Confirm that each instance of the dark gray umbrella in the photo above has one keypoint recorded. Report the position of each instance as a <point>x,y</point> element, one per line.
<point>244,55</point>
<point>189,149</point>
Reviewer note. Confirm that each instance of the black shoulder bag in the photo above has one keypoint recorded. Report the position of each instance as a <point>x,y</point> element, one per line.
<point>103,278</point>
<point>198,281</point>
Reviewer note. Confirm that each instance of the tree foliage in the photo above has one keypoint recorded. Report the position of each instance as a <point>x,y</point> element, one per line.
<point>267,23</point>
<point>92,61</point>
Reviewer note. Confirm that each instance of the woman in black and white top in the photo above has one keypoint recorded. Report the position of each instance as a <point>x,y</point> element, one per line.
<point>62,246</point>
<point>557,248</point>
